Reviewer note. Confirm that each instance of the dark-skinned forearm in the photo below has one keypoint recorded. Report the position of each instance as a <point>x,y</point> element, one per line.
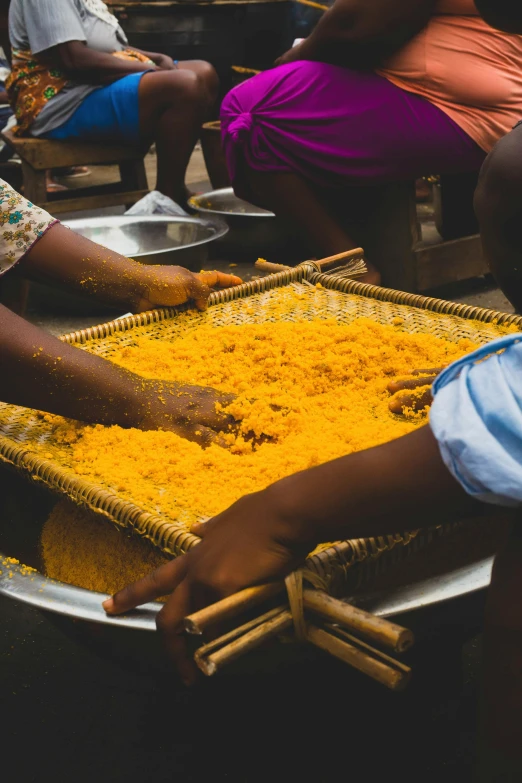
<point>86,65</point>
<point>361,34</point>
<point>401,485</point>
<point>39,371</point>
<point>71,261</point>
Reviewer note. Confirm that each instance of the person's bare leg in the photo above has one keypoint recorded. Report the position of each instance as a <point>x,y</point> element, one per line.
<point>173,106</point>
<point>292,198</point>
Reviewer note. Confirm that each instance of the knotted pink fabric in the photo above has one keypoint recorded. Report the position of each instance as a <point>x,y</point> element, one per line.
<point>334,127</point>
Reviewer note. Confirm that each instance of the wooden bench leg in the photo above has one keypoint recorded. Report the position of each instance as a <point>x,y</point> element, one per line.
<point>35,184</point>
<point>383,220</point>
<point>133,176</point>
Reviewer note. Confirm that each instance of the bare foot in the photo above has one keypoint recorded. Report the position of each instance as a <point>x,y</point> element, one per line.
<point>55,187</point>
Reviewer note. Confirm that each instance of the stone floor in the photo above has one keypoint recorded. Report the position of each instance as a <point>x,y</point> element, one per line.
<point>71,714</point>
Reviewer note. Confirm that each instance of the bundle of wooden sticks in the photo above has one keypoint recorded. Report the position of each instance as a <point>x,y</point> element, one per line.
<point>334,626</point>
<point>353,265</point>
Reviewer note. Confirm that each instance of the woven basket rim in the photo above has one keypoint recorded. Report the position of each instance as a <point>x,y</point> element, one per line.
<point>177,539</point>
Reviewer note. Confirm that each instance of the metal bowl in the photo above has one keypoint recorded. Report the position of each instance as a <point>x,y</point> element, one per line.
<point>226,204</point>
<point>253,231</point>
<point>155,239</point>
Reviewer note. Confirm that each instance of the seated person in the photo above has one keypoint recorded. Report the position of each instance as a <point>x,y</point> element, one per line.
<point>381,91</point>
<point>75,77</point>
<point>39,371</point>
<point>498,198</point>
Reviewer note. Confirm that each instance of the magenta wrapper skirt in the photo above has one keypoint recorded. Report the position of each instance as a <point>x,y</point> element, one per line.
<point>334,127</point>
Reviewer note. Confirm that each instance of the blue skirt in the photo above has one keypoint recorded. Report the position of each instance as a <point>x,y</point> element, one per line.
<point>110,114</point>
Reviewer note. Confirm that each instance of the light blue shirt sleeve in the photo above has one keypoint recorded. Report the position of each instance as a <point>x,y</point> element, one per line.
<point>476,418</point>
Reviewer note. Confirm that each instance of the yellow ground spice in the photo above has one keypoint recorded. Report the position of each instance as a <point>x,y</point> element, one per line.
<point>313,390</point>
<point>82,549</point>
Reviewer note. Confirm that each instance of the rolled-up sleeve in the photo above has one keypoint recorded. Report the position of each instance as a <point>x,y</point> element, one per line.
<point>21,225</point>
<point>476,418</point>
<point>52,22</point>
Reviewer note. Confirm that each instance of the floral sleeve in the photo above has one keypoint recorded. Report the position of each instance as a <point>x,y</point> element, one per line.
<point>21,225</point>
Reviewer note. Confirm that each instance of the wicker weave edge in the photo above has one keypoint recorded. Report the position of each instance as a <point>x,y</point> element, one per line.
<point>297,274</point>
<point>242,291</point>
<point>173,540</point>
<point>440,306</point>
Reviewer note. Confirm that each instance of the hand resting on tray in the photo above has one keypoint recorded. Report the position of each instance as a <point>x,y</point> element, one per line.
<point>413,394</point>
<point>266,535</point>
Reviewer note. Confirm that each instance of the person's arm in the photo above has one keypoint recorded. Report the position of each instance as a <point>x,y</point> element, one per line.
<point>56,34</point>
<point>39,371</point>
<point>264,536</point>
<point>162,61</point>
<point>64,258</point>
<point>83,64</point>
<point>361,34</point>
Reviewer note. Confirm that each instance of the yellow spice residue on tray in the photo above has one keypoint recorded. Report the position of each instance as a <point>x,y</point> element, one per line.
<point>80,548</point>
<point>317,389</point>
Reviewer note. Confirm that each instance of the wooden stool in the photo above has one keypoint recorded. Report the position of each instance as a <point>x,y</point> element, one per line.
<point>385,221</point>
<point>38,155</point>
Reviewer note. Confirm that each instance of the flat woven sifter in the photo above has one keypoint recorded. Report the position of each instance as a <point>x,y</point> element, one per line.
<point>265,300</point>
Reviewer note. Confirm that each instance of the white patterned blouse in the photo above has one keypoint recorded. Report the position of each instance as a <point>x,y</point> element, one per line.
<point>21,225</point>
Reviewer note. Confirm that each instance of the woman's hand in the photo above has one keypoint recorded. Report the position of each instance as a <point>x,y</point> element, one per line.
<point>291,56</point>
<point>72,261</point>
<point>413,394</point>
<point>266,535</point>
<point>163,62</point>
<point>253,542</point>
<point>168,286</point>
<point>194,412</point>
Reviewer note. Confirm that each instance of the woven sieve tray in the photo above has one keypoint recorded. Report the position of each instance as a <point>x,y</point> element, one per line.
<point>258,301</point>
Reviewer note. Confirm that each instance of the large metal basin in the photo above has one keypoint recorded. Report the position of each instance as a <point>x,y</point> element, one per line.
<point>253,231</point>
<point>155,239</point>
<point>431,576</point>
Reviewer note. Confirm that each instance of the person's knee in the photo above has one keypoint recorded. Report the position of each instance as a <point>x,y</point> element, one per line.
<point>208,76</point>
<point>172,88</point>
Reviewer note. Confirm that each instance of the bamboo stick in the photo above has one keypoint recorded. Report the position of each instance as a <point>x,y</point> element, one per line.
<point>221,641</point>
<point>230,607</point>
<point>242,69</point>
<point>368,625</point>
<point>209,664</point>
<point>336,631</point>
<point>323,263</point>
<point>269,266</point>
<point>312,4</point>
<point>394,678</point>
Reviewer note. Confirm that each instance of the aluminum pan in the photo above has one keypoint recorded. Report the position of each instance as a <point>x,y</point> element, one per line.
<point>44,593</point>
<point>148,235</point>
